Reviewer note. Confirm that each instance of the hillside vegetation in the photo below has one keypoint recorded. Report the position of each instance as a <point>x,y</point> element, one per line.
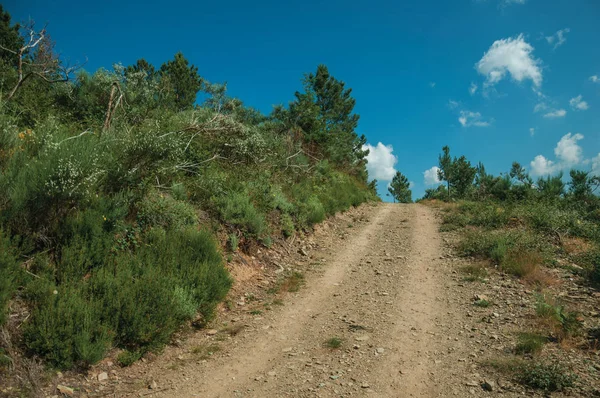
<point>518,223</point>
<point>115,184</point>
<point>546,236</point>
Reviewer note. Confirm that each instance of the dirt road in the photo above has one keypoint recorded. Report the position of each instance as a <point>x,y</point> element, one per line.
<point>380,293</point>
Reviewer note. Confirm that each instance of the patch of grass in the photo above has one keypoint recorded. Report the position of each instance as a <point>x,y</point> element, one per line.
<point>563,322</point>
<point>546,376</point>
<point>255,312</point>
<point>128,358</point>
<point>277,302</point>
<point>535,374</point>
<point>530,343</point>
<point>474,273</point>
<point>520,262</point>
<point>482,303</point>
<point>293,282</point>
<point>204,351</point>
<point>289,283</point>
<point>334,342</point>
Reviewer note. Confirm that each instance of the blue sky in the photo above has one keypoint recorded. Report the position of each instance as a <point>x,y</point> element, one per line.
<point>411,65</point>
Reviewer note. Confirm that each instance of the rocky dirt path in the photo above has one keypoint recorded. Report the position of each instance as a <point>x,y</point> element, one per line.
<point>382,295</point>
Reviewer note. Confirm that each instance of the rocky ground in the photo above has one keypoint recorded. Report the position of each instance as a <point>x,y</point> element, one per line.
<point>374,303</point>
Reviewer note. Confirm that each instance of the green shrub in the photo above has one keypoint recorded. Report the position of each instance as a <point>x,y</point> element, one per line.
<point>312,211</point>
<point>287,225</point>
<point>128,358</point>
<point>8,270</point>
<point>546,376</point>
<point>566,321</point>
<point>237,210</point>
<point>530,343</point>
<point>65,329</point>
<point>158,210</point>
<point>179,192</point>
<point>135,300</point>
<point>333,343</point>
<point>233,242</point>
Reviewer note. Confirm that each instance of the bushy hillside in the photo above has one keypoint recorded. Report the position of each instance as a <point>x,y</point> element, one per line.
<point>114,184</point>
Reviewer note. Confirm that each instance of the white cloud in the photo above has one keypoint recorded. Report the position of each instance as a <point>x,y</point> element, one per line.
<point>555,114</point>
<point>472,88</point>
<point>541,166</point>
<point>453,104</point>
<point>513,56</point>
<point>430,176</point>
<point>559,38</point>
<point>540,107</point>
<point>381,161</point>
<point>595,79</point>
<point>411,184</point>
<point>578,103</point>
<point>568,154</point>
<point>532,131</point>
<point>568,151</point>
<point>596,165</point>
<point>432,84</point>
<point>468,119</point>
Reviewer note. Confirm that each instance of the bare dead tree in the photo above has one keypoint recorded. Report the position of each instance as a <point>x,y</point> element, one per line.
<point>112,104</point>
<point>43,65</point>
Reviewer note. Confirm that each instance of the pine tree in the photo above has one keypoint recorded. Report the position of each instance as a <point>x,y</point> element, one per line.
<point>181,82</point>
<point>400,188</point>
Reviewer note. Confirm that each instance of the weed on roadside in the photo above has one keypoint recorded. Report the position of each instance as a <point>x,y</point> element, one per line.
<point>205,351</point>
<point>474,273</point>
<point>563,322</point>
<point>530,343</point>
<point>333,343</point>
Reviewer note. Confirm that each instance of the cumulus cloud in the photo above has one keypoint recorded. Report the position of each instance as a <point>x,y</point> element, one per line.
<point>595,79</point>
<point>541,166</point>
<point>555,114</point>
<point>472,88</point>
<point>510,56</point>
<point>568,151</point>
<point>381,161</point>
<point>578,103</point>
<point>559,38</point>
<point>568,154</point>
<point>430,176</point>
<point>468,119</point>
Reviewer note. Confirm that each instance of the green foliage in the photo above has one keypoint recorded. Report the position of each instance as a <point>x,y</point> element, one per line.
<point>8,270</point>
<point>181,82</point>
<point>233,242</point>
<point>546,376</point>
<point>457,172</point>
<point>400,188</point>
<point>127,358</point>
<point>530,343</point>
<point>65,329</point>
<point>237,210</point>
<point>554,311</point>
<point>159,210</point>
<point>334,343</point>
<point>108,214</point>
<point>133,300</point>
